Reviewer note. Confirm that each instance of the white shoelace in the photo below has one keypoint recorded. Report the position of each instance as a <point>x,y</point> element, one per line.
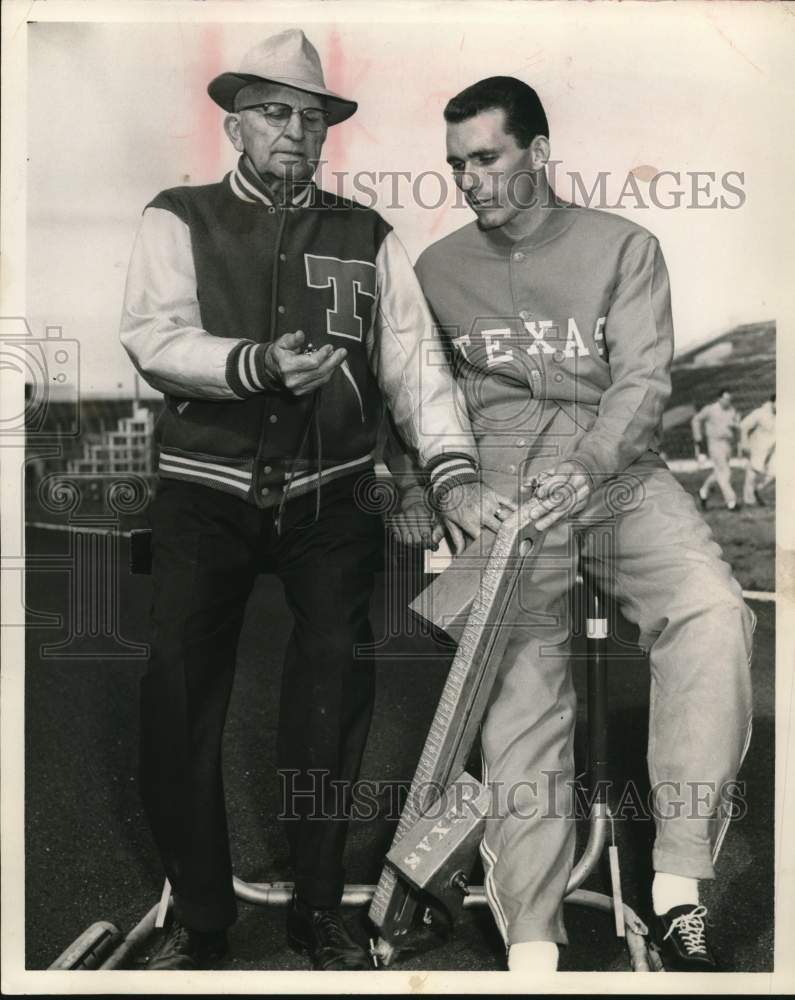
<point>691,927</point>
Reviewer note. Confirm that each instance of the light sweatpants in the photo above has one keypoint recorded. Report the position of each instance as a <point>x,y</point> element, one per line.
<point>720,452</point>
<point>668,577</point>
<point>760,471</point>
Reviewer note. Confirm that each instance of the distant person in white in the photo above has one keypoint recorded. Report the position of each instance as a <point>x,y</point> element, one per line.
<point>758,441</point>
<point>719,423</point>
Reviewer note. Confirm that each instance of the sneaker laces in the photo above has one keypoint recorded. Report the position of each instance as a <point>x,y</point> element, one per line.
<point>178,935</point>
<point>331,921</point>
<point>691,929</point>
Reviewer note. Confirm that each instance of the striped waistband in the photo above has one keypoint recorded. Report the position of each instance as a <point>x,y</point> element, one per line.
<point>232,477</point>
<point>236,477</point>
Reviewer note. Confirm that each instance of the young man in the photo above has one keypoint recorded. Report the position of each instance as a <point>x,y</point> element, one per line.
<point>758,441</point>
<point>719,422</point>
<point>275,318</point>
<point>560,321</point>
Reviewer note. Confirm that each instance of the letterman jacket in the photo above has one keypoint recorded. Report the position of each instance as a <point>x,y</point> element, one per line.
<point>217,273</point>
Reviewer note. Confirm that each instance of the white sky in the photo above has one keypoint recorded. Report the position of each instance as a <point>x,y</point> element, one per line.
<point>119,112</point>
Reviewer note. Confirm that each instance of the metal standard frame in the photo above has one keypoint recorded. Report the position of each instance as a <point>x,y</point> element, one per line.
<point>102,945</point>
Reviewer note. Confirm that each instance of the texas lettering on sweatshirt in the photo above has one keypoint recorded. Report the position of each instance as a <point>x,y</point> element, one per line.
<point>577,315</point>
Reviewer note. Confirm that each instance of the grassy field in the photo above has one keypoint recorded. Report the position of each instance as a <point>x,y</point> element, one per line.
<point>747,536</point>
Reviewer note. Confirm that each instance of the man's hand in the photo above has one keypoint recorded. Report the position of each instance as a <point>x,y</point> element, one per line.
<point>416,525</point>
<point>559,494</point>
<point>298,372</point>
<point>476,506</point>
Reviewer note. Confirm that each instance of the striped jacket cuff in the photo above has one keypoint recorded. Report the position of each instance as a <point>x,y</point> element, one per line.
<point>245,369</point>
<point>449,471</point>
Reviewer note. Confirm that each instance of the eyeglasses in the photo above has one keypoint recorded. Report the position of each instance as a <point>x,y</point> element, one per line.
<point>314,119</point>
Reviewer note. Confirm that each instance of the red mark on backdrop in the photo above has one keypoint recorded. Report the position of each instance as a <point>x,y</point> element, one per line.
<point>335,75</point>
<point>645,172</point>
<point>343,75</point>
<point>207,115</point>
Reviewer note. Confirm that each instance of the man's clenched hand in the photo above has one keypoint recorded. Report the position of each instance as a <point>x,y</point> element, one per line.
<point>298,372</point>
<point>472,507</point>
<point>558,494</point>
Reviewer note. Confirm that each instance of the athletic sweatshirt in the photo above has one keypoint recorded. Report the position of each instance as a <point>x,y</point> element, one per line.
<point>571,321</point>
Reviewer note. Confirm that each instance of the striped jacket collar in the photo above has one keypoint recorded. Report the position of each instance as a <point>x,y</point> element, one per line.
<point>246,184</point>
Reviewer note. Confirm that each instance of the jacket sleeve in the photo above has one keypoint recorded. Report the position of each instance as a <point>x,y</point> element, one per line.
<point>410,363</point>
<point>404,468</point>
<point>161,324</point>
<point>639,339</point>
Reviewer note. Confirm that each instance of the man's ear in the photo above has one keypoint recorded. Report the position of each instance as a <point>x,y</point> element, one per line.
<point>232,129</point>
<point>539,150</point>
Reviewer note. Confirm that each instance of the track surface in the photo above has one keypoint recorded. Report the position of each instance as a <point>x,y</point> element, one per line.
<point>89,855</point>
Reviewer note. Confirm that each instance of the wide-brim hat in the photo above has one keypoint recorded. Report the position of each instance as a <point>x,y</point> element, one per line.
<point>288,58</point>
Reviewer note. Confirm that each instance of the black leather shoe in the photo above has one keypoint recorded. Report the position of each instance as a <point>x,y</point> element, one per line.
<point>182,948</point>
<point>682,940</point>
<point>323,936</point>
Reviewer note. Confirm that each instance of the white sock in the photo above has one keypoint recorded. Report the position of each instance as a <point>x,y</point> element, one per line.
<point>533,956</point>
<point>668,891</point>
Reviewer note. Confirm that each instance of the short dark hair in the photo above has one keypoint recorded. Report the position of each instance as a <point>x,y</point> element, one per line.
<point>525,117</point>
<point>773,398</point>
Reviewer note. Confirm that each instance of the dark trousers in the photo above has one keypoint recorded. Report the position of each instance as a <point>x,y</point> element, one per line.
<point>207,548</point>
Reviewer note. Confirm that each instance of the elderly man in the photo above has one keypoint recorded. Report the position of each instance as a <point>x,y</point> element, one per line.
<point>719,423</point>
<point>274,317</point>
<point>560,318</point>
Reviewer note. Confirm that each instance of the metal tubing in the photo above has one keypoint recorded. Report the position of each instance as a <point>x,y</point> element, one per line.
<point>596,637</point>
<point>597,835</point>
<point>133,942</point>
<point>93,941</point>
<point>280,893</point>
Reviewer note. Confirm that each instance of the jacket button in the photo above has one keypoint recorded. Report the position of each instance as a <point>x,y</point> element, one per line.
<point>524,314</point>
<point>264,490</point>
<point>521,443</point>
<point>273,418</point>
<point>558,377</point>
<point>271,210</point>
<point>267,469</point>
<point>281,309</point>
<point>282,256</point>
<point>511,469</point>
<point>518,256</point>
<point>559,356</point>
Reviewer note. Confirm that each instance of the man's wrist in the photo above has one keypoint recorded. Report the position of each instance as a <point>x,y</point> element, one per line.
<point>448,472</point>
<point>247,370</point>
